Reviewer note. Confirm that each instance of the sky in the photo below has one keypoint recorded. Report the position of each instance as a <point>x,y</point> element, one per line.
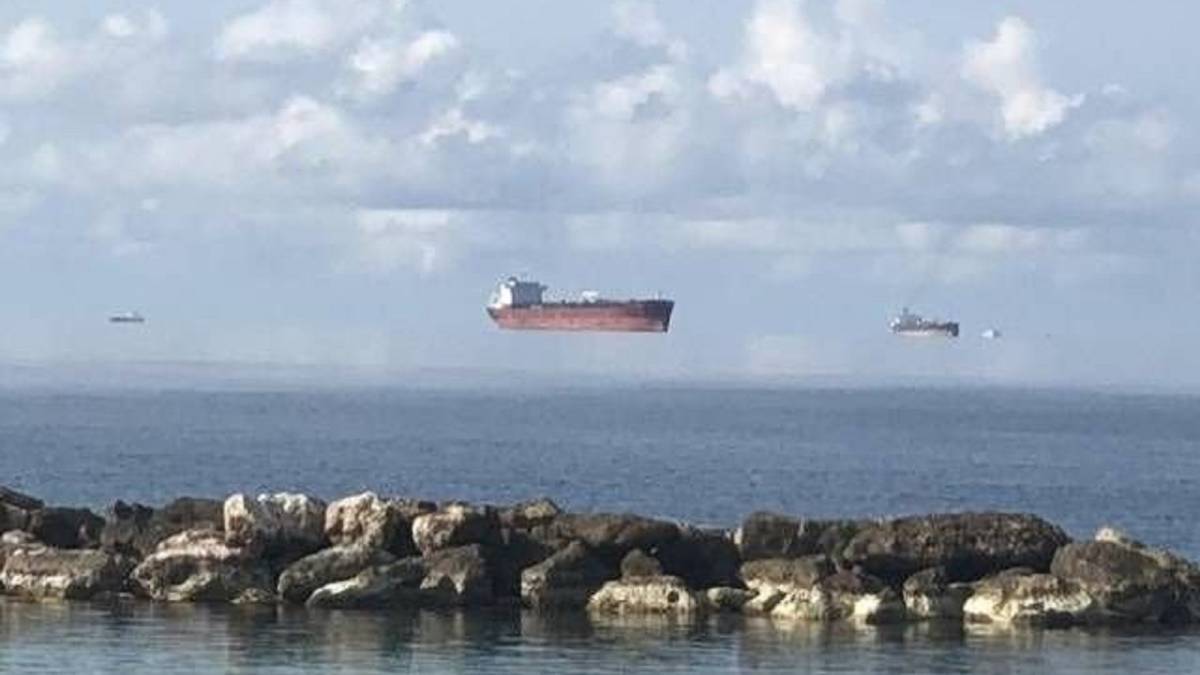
<point>340,183</point>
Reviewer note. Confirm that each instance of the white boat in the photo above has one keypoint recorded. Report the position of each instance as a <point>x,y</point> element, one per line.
<point>126,317</point>
<point>914,325</point>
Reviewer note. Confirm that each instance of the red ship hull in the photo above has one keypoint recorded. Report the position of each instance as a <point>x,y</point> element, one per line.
<point>634,316</point>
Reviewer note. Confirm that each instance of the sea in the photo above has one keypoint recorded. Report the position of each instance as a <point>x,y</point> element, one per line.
<point>706,454</point>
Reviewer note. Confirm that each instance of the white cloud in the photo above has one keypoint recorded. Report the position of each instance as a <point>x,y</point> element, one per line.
<point>33,60</point>
<point>1006,66</point>
<point>454,123</point>
<point>420,239</point>
<point>380,65</point>
<point>285,28</point>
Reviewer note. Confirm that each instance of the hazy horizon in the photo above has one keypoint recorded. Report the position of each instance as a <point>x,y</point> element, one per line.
<point>331,186</point>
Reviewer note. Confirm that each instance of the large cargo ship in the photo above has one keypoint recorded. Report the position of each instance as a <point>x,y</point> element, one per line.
<point>520,305</point>
<point>914,325</point>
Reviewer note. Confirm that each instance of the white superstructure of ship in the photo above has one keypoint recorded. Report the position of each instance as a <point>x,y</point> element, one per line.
<point>910,324</point>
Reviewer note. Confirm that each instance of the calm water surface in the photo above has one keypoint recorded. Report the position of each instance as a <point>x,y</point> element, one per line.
<point>705,455</point>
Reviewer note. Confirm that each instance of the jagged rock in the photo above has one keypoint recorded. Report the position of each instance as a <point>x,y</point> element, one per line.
<point>611,536</point>
<point>1128,581</point>
<point>930,594</point>
<point>137,530</point>
<point>566,579</point>
<point>199,566</point>
<point>530,514</point>
<point>255,596</point>
<point>772,535</point>
<point>702,558</point>
<point>517,551</point>
<point>16,509</point>
<point>388,586</point>
<point>645,595</point>
<point>843,596</point>
<point>338,563</point>
<point>1028,599</point>
<point>726,599</point>
<point>454,525</point>
<point>66,527</point>
<point>367,520</point>
<point>457,577</point>
<point>40,572</point>
<point>968,545</point>
<point>282,526</point>
<point>637,564</point>
<point>786,574</point>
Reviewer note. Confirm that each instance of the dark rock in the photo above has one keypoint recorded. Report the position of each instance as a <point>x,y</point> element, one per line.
<point>566,579</point>
<point>16,509</point>
<point>611,536</point>
<point>199,566</point>
<point>454,525</point>
<point>517,551</point>
<point>727,599</point>
<point>788,574</point>
<point>457,577</point>
<point>530,514</point>
<point>702,558</point>
<point>338,563</point>
<point>136,530</point>
<point>969,545</point>
<point>771,535</point>
<point>42,572</point>
<point>929,594</point>
<point>638,564</point>
<point>385,587</point>
<point>66,528</point>
<point>1127,583</point>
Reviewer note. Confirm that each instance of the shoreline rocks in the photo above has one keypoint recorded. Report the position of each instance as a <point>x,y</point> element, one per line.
<point>367,551</point>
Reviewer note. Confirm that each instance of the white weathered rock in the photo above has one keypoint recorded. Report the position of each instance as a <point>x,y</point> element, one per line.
<point>726,599</point>
<point>41,572</point>
<point>283,521</point>
<point>1028,599</point>
<point>455,525</point>
<point>199,566</point>
<point>645,595</point>
<point>844,596</point>
<point>367,520</point>
<point>930,595</point>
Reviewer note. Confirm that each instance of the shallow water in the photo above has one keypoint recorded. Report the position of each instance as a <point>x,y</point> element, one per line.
<point>706,455</point>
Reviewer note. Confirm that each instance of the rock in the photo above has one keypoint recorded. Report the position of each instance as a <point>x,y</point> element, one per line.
<point>16,509</point>
<point>41,572</point>
<point>638,564</point>
<point>199,566</point>
<point>457,577</point>
<point>367,520</point>
<point>387,586</point>
<point>611,536</point>
<point>255,596</point>
<point>66,528</point>
<point>530,514</point>
<point>969,545</point>
<point>1127,581</point>
<point>843,596</point>
<point>454,525</point>
<point>282,526</point>
<point>726,599</point>
<point>771,535</point>
<point>1016,598</point>
<point>702,558</point>
<point>930,594</point>
<point>517,551</point>
<point>338,563</point>
<point>645,595</point>
<point>566,579</point>
<point>137,530</point>
<point>786,574</point>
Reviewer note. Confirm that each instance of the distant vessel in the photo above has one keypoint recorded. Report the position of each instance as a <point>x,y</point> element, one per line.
<point>520,305</point>
<point>991,334</point>
<point>127,317</point>
<point>910,324</point>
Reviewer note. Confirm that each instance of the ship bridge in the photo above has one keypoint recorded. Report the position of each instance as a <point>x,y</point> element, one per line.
<point>513,292</point>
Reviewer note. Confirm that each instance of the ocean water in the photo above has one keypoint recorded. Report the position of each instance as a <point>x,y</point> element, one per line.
<point>707,455</point>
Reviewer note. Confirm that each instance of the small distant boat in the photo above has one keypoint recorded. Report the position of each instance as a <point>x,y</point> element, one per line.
<point>127,317</point>
<point>991,334</point>
<point>914,325</point>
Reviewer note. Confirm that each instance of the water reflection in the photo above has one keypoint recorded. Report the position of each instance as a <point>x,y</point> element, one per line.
<point>139,637</point>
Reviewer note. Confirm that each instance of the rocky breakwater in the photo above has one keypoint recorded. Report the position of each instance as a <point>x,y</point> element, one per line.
<point>373,552</point>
